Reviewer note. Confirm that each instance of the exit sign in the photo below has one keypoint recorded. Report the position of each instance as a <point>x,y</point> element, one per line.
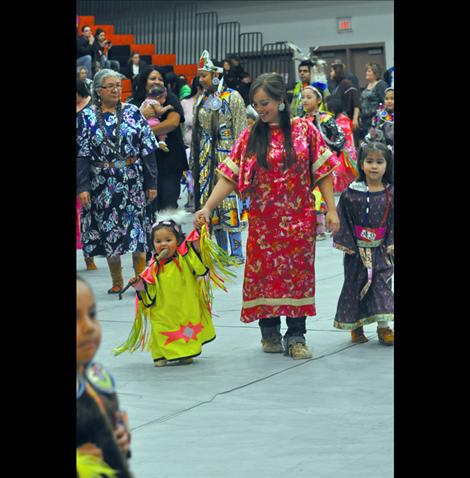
<point>344,24</point>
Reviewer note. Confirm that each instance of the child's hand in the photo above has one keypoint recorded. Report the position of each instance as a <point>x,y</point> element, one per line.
<point>91,449</point>
<point>121,432</point>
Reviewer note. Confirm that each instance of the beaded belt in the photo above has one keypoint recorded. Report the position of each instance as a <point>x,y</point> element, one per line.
<point>370,237</point>
<point>120,163</point>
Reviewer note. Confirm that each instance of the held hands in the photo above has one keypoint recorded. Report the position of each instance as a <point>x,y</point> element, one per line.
<point>201,217</point>
<point>332,222</point>
<point>84,199</point>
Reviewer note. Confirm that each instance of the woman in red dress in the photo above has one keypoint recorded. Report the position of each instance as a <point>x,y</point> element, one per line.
<point>279,272</point>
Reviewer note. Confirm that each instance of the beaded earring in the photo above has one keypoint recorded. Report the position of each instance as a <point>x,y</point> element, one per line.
<point>281,107</point>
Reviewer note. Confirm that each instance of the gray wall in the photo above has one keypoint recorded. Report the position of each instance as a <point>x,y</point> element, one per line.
<point>311,23</point>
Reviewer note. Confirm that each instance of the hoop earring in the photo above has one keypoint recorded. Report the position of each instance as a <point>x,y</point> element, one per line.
<point>281,107</point>
<point>215,81</point>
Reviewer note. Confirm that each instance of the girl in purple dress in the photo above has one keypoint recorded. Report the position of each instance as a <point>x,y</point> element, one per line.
<point>365,210</point>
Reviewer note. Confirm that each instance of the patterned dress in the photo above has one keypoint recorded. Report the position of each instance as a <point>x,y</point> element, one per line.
<point>231,120</point>
<point>116,223</point>
<point>346,173</point>
<point>367,295</point>
<point>280,252</point>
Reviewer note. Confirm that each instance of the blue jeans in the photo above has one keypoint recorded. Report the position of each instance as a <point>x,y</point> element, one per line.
<point>86,62</point>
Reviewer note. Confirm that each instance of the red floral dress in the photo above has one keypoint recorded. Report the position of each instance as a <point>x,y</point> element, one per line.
<point>280,252</point>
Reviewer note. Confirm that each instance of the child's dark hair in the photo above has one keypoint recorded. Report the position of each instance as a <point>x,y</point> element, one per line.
<point>334,105</point>
<point>170,225</point>
<point>387,154</point>
<point>157,91</point>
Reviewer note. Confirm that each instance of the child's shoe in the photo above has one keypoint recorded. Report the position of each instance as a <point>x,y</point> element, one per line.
<point>90,264</point>
<point>160,362</point>
<point>358,337</point>
<point>185,361</point>
<point>163,146</point>
<point>386,336</point>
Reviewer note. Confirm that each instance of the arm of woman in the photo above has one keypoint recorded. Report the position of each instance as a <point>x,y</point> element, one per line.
<point>221,190</point>
<point>325,185</point>
<point>150,175</point>
<point>168,125</point>
<point>83,180</point>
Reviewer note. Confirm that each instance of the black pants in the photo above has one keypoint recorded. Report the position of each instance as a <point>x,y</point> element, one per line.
<point>169,188</point>
<point>295,325</point>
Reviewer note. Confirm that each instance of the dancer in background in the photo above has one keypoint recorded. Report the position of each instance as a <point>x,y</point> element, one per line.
<point>219,119</point>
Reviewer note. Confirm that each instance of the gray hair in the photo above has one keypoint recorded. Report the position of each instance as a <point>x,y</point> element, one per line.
<point>100,76</point>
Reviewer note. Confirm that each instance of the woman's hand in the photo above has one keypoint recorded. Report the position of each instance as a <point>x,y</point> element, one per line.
<point>91,449</point>
<point>202,217</point>
<point>121,432</point>
<point>151,194</point>
<point>332,222</point>
<point>84,198</point>
<point>355,124</point>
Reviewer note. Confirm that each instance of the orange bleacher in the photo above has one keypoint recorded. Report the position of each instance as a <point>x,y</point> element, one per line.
<point>190,71</point>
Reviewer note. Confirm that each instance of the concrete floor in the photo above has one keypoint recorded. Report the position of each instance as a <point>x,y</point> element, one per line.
<point>239,413</point>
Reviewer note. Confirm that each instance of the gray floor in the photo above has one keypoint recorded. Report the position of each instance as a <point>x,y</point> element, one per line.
<point>239,413</point>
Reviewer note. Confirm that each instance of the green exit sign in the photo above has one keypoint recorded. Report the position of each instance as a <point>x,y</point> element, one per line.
<point>344,24</point>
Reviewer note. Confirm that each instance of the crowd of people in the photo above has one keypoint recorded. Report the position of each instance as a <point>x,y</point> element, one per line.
<point>251,159</point>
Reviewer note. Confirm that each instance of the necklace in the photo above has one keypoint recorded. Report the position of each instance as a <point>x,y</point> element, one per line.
<point>115,146</point>
<point>366,217</point>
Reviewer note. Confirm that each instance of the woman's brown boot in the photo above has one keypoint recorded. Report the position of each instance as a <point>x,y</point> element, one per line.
<point>114,264</point>
<point>90,264</point>
<point>139,262</point>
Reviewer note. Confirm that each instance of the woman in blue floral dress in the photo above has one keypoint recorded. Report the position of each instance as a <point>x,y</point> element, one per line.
<point>116,177</point>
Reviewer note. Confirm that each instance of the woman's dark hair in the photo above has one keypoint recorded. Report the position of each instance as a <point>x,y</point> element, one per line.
<point>171,226</point>
<point>338,68</point>
<point>171,82</point>
<point>194,86</point>
<point>85,26</point>
<point>334,105</point>
<point>141,83</point>
<point>376,69</point>
<point>82,89</point>
<point>129,61</point>
<point>98,32</point>
<point>260,135</point>
<point>387,154</point>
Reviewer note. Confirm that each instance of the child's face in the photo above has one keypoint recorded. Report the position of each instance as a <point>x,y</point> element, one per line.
<point>389,100</point>
<point>374,166</point>
<point>310,100</point>
<point>88,328</point>
<point>165,239</point>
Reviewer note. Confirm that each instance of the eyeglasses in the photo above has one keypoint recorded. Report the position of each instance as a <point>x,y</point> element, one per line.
<point>112,87</point>
<point>262,103</point>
